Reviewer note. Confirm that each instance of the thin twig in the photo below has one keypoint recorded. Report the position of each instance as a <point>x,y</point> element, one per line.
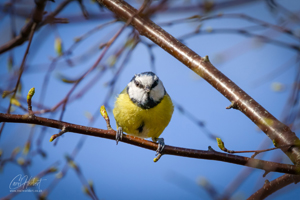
<point>20,72</point>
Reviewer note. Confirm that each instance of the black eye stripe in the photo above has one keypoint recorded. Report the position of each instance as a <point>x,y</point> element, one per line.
<point>154,84</point>
<point>138,84</point>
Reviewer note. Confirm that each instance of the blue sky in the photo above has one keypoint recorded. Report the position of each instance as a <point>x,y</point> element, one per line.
<point>128,172</point>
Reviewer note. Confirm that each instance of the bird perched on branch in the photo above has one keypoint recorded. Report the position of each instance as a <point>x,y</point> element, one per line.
<point>143,109</point>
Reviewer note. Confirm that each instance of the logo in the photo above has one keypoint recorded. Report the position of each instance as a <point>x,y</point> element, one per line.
<point>23,184</point>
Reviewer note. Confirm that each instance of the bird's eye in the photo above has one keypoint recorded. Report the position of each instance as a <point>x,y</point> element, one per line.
<point>137,83</point>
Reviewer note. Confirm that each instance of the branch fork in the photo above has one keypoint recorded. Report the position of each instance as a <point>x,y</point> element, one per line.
<point>63,130</point>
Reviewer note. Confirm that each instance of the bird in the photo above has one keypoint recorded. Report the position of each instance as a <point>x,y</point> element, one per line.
<point>143,109</point>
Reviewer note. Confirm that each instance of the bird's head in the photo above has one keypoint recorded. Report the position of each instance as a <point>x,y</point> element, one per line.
<point>146,90</point>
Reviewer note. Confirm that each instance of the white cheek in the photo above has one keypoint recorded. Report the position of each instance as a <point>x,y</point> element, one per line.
<point>158,92</point>
<point>136,93</point>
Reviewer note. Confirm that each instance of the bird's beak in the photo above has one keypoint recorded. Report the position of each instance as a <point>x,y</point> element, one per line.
<point>147,89</point>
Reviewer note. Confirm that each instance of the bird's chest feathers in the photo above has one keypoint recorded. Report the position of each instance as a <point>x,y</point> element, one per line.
<point>142,122</point>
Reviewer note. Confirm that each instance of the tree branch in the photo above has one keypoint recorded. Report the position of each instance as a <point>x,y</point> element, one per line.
<point>278,132</point>
<point>37,17</point>
<point>177,151</point>
<point>271,187</point>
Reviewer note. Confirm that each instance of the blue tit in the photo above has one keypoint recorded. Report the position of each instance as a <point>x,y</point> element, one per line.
<point>143,109</point>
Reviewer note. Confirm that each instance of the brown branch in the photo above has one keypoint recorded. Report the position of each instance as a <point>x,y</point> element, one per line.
<point>273,128</point>
<point>37,17</point>
<point>271,187</point>
<point>243,175</point>
<point>177,151</point>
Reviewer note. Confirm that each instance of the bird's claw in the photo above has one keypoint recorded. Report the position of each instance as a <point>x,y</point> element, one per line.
<point>161,145</point>
<point>119,134</point>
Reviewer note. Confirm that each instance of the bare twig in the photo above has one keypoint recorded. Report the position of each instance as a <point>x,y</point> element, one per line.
<point>63,130</point>
<point>234,16</point>
<point>36,18</point>
<point>87,188</point>
<point>244,32</point>
<point>199,123</point>
<point>20,71</point>
<point>223,148</point>
<point>63,172</point>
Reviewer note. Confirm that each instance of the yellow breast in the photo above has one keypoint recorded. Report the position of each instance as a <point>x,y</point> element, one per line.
<point>140,122</point>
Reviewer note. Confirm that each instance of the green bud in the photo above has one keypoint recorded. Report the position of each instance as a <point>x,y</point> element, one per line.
<point>220,143</point>
<point>30,93</point>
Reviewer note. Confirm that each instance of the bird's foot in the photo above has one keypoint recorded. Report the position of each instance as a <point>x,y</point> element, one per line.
<point>161,145</point>
<point>119,134</point>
